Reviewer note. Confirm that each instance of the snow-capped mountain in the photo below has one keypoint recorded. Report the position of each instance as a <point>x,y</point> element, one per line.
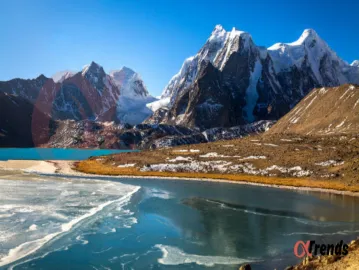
<point>232,81</point>
<point>131,106</point>
<point>120,96</point>
<point>130,83</point>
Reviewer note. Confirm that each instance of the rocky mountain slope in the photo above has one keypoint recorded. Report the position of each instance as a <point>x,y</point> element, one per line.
<point>93,134</point>
<point>232,81</point>
<point>324,111</point>
<point>120,96</point>
<point>17,118</point>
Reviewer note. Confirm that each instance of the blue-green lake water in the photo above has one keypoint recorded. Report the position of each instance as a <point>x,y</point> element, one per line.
<point>108,223</point>
<point>53,153</point>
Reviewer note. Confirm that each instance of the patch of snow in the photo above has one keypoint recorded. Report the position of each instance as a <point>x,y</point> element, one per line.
<point>251,96</point>
<point>356,103</point>
<point>341,124</point>
<point>310,103</point>
<point>296,171</point>
<point>253,157</point>
<point>323,90</point>
<point>215,154</point>
<point>194,150</point>
<point>211,155</point>
<point>59,77</point>
<point>345,93</point>
<point>271,144</point>
<point>126,165</point>
<point>195,166</point>
<point>158,104</point>
<point>330,163</point>
<point>179,158</point>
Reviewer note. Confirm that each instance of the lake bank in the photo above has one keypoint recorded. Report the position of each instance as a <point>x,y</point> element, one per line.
<point>168,224</point>
<point>76,168</point>
<point>96,168</point>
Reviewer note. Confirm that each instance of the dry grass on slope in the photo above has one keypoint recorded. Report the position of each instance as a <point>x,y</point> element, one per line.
<point>338,156</point>
<point>324,111</point>
<point>95,167</point>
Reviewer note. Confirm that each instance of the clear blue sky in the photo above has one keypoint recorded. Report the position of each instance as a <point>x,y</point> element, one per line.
<point>154,37</point>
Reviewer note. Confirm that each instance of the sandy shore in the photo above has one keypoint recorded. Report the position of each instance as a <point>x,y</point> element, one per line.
<point>27,165</point>
<point>65,168</point>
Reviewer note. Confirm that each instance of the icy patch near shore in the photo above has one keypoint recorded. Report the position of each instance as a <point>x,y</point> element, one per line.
<point>33,227</point>
<point>175,256</point>
<point>59,204</point>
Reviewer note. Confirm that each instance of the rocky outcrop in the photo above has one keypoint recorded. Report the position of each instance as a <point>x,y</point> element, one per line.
<point>93,134</point>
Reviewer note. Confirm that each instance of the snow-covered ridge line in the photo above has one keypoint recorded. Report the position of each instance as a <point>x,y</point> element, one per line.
<point>211,84</point>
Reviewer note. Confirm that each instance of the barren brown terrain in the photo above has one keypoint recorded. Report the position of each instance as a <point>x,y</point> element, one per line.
<point>330,162</point>
<point>324,111</point>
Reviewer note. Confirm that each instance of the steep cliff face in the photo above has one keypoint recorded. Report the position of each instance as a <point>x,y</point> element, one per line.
<point>231,81</point>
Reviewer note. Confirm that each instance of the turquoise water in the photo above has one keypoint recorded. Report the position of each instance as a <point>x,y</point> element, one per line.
<point>103,223</point>
<point>53,153</point>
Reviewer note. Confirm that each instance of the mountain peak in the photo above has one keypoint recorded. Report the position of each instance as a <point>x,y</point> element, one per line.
<point>218,33</point>
<point>355,63</point>
<point>218,28</point>
<point>42,77</point>
<point>129,82</point>
<point>309,33</point>
<point>123,73</point>
<point>92,68</point>
<point>127,70</point>
<point>308,37</point>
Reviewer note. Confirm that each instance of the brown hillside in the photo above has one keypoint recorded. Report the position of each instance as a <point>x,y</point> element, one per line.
<point>324,111</point>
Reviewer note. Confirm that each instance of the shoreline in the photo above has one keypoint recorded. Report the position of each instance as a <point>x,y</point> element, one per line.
<point>66,168</point>
<point>244,182</point>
